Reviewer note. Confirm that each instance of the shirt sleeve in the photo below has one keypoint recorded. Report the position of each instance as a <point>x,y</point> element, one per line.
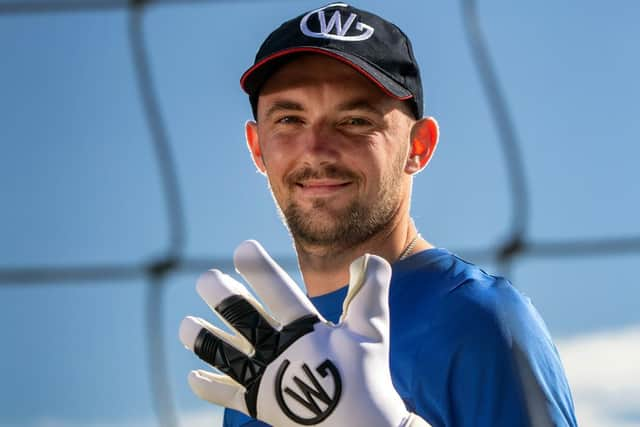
<point>500,366</point>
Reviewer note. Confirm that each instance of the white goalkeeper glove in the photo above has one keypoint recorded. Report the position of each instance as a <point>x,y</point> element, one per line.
<point>294,368</point>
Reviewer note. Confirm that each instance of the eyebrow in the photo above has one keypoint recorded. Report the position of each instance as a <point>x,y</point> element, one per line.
<point>349,105</point>
<point>283,105</point>
<point>360,104</point>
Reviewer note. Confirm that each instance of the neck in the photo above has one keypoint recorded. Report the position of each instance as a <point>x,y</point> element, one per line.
<point>327,269</point>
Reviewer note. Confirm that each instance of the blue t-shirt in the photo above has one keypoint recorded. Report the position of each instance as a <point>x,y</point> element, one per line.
<point>467,349</point>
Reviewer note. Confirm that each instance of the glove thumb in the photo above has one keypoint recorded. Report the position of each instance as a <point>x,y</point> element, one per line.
<point>366,308</point>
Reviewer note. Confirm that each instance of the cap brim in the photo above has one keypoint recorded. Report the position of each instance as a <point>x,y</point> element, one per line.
<point>253,79</point>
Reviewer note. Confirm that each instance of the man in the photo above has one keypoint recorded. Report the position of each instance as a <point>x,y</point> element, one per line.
<point>339,133</point>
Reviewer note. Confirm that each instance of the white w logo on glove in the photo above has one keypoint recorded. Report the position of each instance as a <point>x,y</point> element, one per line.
<point>296,368</point>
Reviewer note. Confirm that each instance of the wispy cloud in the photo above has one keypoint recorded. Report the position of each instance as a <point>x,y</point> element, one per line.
<point>604,373</point>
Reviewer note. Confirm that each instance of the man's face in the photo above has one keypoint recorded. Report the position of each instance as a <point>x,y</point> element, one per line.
<point>334,148</point>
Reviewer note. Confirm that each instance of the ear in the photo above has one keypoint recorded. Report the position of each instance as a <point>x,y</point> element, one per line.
<point>424,140</point>
<point>251,134</point>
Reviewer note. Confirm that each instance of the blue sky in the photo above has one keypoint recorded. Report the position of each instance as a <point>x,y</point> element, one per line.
<point>80,185</point>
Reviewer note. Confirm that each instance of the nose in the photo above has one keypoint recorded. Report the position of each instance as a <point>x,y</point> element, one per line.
<point>320,144</point>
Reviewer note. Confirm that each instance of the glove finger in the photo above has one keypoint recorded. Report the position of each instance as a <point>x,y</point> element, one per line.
<point>211,345</point>
<point>366,307</point>
<point>189,331</point>
<point>237,307</point>
<point>218,389</point>
<point>273,285</point>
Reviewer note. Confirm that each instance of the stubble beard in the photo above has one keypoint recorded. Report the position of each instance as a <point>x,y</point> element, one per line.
<point>351,225</point>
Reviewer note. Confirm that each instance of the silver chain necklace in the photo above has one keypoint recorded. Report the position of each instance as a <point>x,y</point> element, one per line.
<point>407,251</point>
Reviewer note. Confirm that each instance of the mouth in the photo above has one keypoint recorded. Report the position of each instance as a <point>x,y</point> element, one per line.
<point>322,186</point>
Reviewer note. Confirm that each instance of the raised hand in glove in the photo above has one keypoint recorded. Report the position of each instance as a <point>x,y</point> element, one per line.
<point>292,367</point>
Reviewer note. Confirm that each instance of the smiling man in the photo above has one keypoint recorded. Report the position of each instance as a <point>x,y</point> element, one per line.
<point>396,332</point>
<point>336,151</point>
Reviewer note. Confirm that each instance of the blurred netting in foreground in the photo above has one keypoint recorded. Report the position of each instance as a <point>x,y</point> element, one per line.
<point>156,272</point>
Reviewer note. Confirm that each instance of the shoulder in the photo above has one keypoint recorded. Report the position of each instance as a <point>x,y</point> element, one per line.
<point>464,307</point>
<point>482,340</point>
<point>489,310</point>
<point>453,291</point>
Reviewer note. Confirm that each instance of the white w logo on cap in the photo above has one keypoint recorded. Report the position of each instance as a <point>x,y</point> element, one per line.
<point>335,21</point>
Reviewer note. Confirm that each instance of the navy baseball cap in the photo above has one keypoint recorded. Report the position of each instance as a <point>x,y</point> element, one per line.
<point>371,45</point>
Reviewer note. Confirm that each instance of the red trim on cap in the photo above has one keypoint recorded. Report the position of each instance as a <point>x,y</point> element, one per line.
<point>323,52</point>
